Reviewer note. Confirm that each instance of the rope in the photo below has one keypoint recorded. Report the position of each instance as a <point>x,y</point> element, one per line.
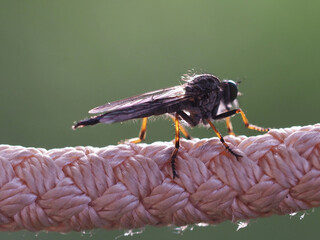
<point>130,185</point>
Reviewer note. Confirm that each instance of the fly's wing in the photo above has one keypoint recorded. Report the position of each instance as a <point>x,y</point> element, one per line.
<point>145,105</point>
<point>129,102</point>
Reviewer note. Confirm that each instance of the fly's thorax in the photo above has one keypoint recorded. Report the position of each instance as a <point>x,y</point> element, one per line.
<point>203,106</point>
<point>202,84</point>
<point>205,93</point>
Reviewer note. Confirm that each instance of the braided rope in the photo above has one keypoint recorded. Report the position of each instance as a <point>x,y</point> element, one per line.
<point>129,186</point>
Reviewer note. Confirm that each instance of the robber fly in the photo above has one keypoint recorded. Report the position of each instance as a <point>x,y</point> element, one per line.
<point>201,99</point>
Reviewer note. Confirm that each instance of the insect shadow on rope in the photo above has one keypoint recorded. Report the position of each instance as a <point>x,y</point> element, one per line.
<point>202,99</point>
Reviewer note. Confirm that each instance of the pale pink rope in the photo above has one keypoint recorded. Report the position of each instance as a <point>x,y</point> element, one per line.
<point>130,186</point>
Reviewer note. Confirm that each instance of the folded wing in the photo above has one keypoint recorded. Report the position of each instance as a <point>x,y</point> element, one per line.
<point>152,103</point>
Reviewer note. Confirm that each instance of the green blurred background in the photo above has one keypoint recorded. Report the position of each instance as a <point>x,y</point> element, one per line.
<point>58,59</point>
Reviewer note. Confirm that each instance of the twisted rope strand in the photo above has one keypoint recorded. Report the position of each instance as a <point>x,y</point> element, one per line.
<point>130,185</point>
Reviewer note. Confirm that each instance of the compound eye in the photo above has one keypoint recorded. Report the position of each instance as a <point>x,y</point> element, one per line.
<point>233,90</point>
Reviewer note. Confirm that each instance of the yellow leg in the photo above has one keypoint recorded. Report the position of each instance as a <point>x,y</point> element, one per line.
<point>229,126</point>
<point>230,113</point>
<point>176,146</point>
<point>143,132</point>
<point>221,139</point>
<point>182,129</point>
<point>248,125</point>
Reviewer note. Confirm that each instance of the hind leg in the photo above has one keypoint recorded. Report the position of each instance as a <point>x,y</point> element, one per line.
<point>176,146</point>
<point>143,132</point>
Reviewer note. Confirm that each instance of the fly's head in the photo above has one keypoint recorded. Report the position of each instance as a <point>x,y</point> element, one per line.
<point>229,93</point>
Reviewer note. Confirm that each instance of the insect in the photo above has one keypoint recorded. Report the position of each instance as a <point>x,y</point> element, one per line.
<point>202,99</point>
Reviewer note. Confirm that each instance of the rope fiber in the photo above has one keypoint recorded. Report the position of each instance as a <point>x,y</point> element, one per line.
<point>130,185</point>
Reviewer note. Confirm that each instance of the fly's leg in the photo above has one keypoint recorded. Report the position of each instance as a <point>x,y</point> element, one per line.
<point>184,132</point>
<point>192,121</point>
<point>222,140</point>
<point>244,119</point>
<point>182,129</point>
<point>143,132</point>
<point>176,146</point>
<point>248,125</point>
<point>229,126</point>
